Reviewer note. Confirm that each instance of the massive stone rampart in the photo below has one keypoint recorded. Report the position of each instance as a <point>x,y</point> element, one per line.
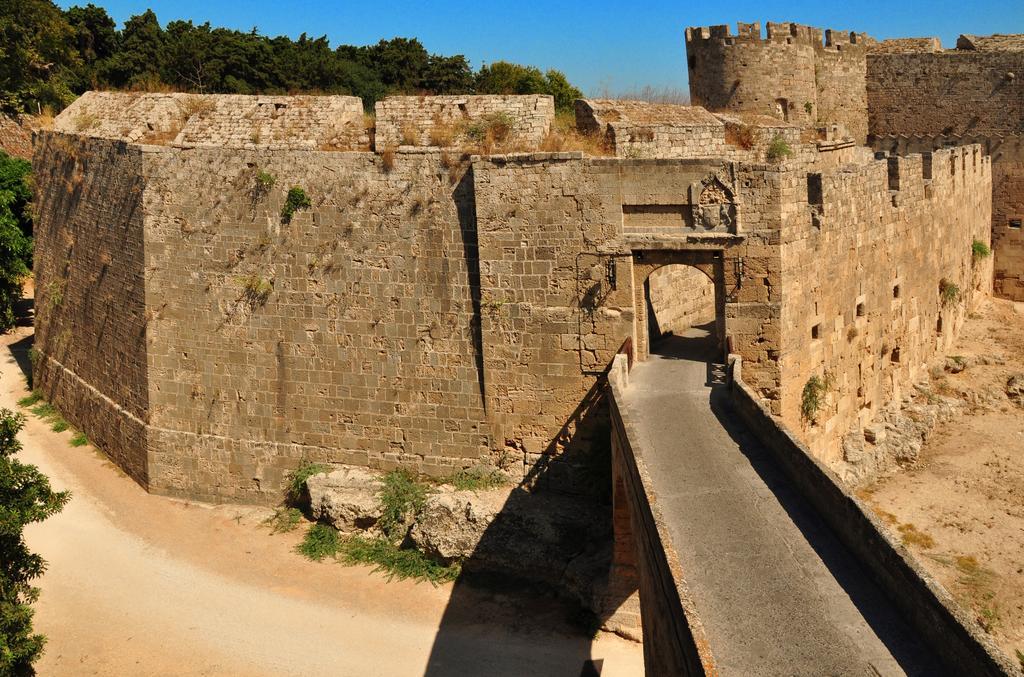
<point>435,313</point>
<point>877,274</point>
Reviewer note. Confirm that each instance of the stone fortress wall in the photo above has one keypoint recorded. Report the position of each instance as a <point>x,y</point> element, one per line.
<point>436,312</point>
<point>864,264</point>
<point>929,98</point>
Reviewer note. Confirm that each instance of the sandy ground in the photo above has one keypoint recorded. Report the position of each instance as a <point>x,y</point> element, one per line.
<point>960,508</point>
<point>146,585</point>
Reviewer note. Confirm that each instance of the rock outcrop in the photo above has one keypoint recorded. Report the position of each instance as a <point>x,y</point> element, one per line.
<point>348,499</point>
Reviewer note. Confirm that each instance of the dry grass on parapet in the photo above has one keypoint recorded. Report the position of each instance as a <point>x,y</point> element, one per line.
<point>565,136</point>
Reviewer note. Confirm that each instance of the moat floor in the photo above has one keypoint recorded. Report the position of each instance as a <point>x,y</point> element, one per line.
<point>144,585</point>
<point>777,593</point>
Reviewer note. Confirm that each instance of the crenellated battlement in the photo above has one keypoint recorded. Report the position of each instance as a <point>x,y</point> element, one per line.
<point>777,33</point>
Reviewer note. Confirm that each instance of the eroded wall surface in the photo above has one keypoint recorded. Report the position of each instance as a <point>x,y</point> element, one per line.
<point>443,121</point>
<point>865,260</point>
<point>346,334</point>
<point>91,315</point>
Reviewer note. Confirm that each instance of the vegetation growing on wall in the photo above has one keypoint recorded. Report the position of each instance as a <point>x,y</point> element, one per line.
<point>50,56</point>
<point>296,200</point>
<point>949,292</point>
<point>812,399</point>
<point>778,149</point>
<point>979,250</point>
<point>27,498</point>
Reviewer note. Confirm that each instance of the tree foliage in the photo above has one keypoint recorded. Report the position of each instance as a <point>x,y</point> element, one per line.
<point>15,234</point>
<point>25,497</point>
<point>49,55</point>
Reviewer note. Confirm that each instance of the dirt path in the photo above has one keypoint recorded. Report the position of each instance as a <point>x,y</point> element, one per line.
<point>960,508</point>
<point>145,585</point>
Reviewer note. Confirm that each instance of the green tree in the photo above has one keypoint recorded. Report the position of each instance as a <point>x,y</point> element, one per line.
<point>25,497</point>
<point>15,240</point>
<point>14,179</point>
<point>139,55</point>
<point>95,41</point>
<point>37,57</point>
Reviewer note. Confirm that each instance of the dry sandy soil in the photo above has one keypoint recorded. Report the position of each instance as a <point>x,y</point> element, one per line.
<point>146,585</point>
<point>960,508</point>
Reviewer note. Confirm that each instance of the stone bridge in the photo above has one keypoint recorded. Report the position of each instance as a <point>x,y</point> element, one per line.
<point>749,557</point>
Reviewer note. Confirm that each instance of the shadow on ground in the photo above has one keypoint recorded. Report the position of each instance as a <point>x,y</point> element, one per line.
<point>556,529</point>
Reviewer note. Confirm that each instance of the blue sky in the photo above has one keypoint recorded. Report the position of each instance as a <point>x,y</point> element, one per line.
<point>600,44</point>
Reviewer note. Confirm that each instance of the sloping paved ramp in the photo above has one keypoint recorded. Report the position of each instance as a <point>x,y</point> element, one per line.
<point>775,590</point>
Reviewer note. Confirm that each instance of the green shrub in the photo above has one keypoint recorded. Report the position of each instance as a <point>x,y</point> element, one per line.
<point>813,398</point>
<point>296,200</point>
<point>79,439</point>
<point>27,498</point>
<point>979,250</point>
<point>778,149</point>
<point>296,487</point>
<point>402,498</point>
<point>321,541</point>
<point>396,561</point>
<point>949,292</point>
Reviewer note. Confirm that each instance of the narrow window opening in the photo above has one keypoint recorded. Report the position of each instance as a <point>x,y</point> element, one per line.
<point>860,310</point>
<point>896,292</point>
<point>938,325</point>
<point>815,330</point>
<point>895,355</point>
<point>1015,224</point>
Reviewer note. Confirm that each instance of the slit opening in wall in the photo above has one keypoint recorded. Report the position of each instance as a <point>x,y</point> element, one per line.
<point>815,332</point>
<point>896,291</point>
<point>938,325</point>
<point>860,310</point>
<point>894,356</point>
<point>1015,224</point>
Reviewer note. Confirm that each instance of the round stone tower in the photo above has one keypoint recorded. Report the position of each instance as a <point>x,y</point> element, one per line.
<point>799,74</point>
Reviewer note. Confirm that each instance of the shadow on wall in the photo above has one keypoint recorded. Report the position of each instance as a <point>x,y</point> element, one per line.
<point>541,542</point>
<point>558,542</point>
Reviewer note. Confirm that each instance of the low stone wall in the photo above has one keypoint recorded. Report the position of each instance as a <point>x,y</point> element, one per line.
<point>219,120</point>
<point>930,610</point>
<point>674,640</point>
<point>445,121</point>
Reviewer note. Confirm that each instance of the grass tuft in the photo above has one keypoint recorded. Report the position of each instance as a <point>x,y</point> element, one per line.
<point>402,497</point>
<point>58,424</point>
<point>980,250</point>
<point>949,292</point>
<point>397,562</point>
<point>284,520</point>
<point>321,541</point>
<point>31,399</point>
<point>477,479</point>
<point>79,439</point>
<point>911,535</point>
<point>297,479</point>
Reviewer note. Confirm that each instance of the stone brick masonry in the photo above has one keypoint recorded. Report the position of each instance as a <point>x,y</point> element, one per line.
<point>435,313</point>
